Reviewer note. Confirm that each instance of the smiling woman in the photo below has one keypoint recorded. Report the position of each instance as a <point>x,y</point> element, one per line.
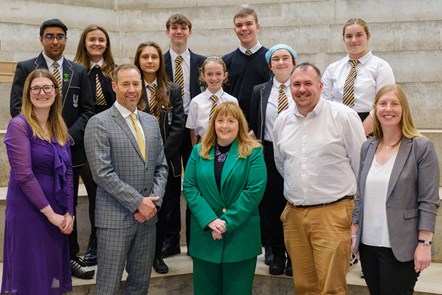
<point>355,79</point>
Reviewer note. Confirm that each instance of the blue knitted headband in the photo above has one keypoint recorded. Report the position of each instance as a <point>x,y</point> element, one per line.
<point>278,47</point>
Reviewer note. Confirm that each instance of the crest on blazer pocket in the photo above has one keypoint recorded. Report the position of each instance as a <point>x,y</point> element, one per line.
<point>75,100</point>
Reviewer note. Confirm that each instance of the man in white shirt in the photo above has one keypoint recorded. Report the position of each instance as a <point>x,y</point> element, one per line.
<point>317,149</point>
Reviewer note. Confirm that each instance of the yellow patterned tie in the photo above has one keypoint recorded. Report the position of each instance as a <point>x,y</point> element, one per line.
<point>101,101</point>
<point>348,97</point>
<point>283,102</point>
<point>179,76</point>
<point>56,73</point>
<point>140,141</point>
<point>152,101</point>
<point>214,100</point>
<point>249,52</point>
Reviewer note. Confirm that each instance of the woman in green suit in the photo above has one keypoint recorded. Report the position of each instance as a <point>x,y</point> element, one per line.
<point>223,185</point>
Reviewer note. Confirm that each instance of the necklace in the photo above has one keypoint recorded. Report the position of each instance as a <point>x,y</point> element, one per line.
<point>393,145</point>
<point>221,157</point>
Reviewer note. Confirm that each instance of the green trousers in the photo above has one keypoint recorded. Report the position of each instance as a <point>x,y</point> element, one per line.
<point>223,278</point>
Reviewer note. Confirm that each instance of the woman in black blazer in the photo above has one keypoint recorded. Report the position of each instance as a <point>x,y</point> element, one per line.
<point>95,53</point>
<point>397,200</point>
<point>162,99</point>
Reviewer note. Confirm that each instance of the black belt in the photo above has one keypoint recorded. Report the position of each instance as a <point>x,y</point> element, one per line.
<point>323,204</point>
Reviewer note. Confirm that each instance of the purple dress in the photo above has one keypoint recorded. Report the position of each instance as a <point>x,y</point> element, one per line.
<point>36,254</point>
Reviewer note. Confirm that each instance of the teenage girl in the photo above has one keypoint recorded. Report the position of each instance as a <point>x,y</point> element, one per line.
<point>162,99</point>
<point>213,74</point>
<point>95,53</point>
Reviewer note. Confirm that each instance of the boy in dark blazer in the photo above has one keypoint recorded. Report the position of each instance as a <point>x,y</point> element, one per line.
<point>78,107</point>
<point>179,30</point>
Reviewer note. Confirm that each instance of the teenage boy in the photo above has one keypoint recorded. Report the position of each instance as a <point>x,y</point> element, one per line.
<point>182,67</point>
<point>246,65</point>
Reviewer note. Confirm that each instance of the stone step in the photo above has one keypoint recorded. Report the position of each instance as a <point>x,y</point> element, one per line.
<point>179,280</point>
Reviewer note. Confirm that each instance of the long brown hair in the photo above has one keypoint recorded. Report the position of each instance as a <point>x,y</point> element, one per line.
<point>57,126</point>
<point>82,57</point>
<point>163,82</point>
<point>246,144</point>
<point>407,126</point>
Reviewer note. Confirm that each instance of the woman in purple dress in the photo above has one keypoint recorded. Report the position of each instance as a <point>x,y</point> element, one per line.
<point>39,202</point>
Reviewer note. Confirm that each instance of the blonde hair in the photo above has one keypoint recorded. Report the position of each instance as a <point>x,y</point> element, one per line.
<point>407,126</point>
<point>356,21</point>
<point>245,143</point>
<point>57,127</point>
<point>215,59</point>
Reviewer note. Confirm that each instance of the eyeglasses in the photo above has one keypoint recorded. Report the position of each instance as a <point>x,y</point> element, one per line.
<point>51,37</point>
<point>47,89</point>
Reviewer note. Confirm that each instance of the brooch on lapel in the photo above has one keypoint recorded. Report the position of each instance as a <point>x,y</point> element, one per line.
<point>65,77</point>
<point>75,100</point>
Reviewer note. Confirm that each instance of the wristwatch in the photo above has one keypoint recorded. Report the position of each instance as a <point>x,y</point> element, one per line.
<point>426,242</point>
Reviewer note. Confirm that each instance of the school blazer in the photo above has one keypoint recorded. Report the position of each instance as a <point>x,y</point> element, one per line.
<point>243,182</point>
<point>78,100</point>
<point>412,196</point>
<point>172,124</point>
<point>196,61</point>
<point>258,108</point>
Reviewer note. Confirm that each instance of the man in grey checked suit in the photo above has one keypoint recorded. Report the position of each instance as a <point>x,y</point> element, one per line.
<point>130,189</point>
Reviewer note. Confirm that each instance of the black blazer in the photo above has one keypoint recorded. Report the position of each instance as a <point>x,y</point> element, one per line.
<point>258,108</point>
<point>196,61</point>
<point>78,101</point>
<point>106,86</point>
<point>172,128</point>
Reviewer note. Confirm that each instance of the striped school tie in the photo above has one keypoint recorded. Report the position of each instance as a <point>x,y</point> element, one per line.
<point>214,100</point>
<point>179,76</point>
<point>249,52</point>
<point>140,141</point>
<point>56,73</point>
<point>283,102</point>
<point>101,101</point>
<point>348,97</point>
<point>152,101</point>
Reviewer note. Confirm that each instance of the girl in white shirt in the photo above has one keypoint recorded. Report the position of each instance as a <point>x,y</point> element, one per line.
<point>372,72</point>
<point>213,74</point>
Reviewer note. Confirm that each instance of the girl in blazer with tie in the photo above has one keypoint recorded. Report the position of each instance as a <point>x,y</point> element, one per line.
<point>397,199</point>
<point>224,182</point>
<point>162,99</point>
<point>95,53</point>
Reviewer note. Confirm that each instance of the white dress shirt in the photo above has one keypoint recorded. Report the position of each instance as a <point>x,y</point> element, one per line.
<point>272,107</point>
<point>199,110</point>
<point>318,155</point>
<point>126,115</point>
<point>372,74</point>
<point>49,63</point>
<point>253,49</point>
<point>185,65</point>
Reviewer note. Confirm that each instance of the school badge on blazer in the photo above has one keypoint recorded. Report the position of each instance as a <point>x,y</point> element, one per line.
<point>75,100</point>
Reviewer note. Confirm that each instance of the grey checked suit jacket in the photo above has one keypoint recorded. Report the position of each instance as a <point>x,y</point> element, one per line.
<point>412,196</point>
<point>123,178</point>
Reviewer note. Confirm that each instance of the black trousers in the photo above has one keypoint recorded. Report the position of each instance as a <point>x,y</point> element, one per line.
<point>172,238</point>
<point>169,214</point>
<point>272,204</point>
<point>73,240</point>
<point>384,274</point>
<point>91,188</point>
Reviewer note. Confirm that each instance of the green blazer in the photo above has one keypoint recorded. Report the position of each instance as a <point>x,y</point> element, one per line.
<point>243,181</point>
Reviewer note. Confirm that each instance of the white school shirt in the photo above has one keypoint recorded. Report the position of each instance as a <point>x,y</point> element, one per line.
<point>253,49</point>
<point>318,155</point>
<point>199,110</point>
<point>372,74</point>
<point>49,63</point>
<point>272,107</point>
